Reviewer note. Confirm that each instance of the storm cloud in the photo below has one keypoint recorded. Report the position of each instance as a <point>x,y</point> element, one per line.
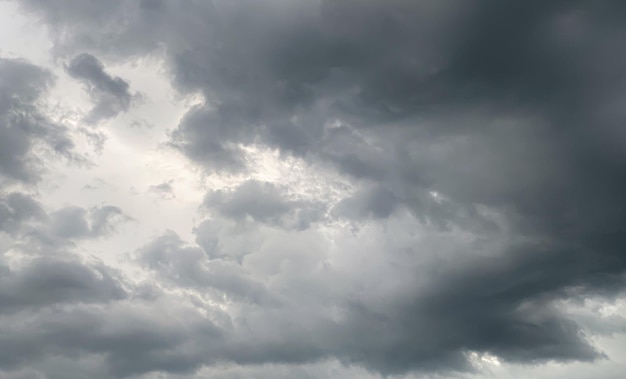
<point>452,186</point>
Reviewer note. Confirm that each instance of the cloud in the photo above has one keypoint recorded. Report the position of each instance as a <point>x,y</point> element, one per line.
<point>24,126</point>
<point>369,305</point>
<point>54,282</point>
<point>263,202</point>
<point>37,270</point>
<point>127,336</point>
<point>355,311</point>
<point>375,202</point>
<point>76,222</point>
<point>16,209</point>
<point>483,141</point>
<point>111,95</point>
<point>51,298</point>
<point>188,266</point>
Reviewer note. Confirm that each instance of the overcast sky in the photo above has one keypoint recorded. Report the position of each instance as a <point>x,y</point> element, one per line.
<point>312,189</point>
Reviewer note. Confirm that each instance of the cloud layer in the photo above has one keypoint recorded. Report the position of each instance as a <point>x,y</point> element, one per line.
<point>458,184</point>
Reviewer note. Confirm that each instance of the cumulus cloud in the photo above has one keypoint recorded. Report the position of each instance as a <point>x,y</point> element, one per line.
<point>48,291</point>
<point>46,281</point>
<point>25,129</point>
<point>484,150</point>
<point>375,202</point>
<point>188,266</point>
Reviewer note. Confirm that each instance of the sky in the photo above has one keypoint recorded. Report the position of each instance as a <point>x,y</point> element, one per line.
<point>372,189</point>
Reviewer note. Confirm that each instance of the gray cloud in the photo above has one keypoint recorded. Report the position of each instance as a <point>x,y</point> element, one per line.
<point>371,324</point>
<point>260,201</point>
<point>263,202</point>
<point>76,222</point>
<point>34,230</point>
<point>164,190</point>
<point>377,322</point>
<point>39,271</point>
<point>52,300</point>
<point>111,95</point>
<point>371,202</point>
<point>24,127</point>
<point>189,266</point>
<point>53,282</point>
<point>126,336</point>
<point>510,111</point>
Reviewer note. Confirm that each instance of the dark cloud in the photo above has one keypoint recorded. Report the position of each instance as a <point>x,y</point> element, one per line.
<point>111,95</point>
<point>371,202</point>
<point>53,282</point>
<point>51,299</point>
<point>508,304</point>
<point>497,120</point>
<point>40,272</point>
<point>203,136</point>
<point>24,127</point>
<point>375,326</point>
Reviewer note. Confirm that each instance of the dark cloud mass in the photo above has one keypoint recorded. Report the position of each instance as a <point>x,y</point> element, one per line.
<point>51,281</point>
<point>485,145</point>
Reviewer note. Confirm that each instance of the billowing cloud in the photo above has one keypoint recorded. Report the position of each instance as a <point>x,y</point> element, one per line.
<point>56,281</point>
<point>25,130</point>
<point>188,266</point>
<point>482,150</point>
<point>265,203</point>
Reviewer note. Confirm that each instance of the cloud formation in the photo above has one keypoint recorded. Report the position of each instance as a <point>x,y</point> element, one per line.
<point>24,128</point>
<point>110,95</point>
<point>265,203</point>
<point>483,148</point>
